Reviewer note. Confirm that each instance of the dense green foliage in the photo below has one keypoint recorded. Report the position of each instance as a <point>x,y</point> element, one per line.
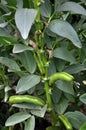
<point>42,64</point>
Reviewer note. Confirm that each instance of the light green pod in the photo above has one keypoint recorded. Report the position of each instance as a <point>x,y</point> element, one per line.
<point>60,76</point>
<point>66,123</point>
<point>26,99</point>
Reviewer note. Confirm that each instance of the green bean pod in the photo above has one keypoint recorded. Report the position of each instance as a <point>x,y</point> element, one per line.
<point>26,99</point>
<point>66,123</point>
<point>60,76</point>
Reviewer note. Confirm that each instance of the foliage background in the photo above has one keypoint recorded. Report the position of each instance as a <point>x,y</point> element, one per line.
<point>59,33</point>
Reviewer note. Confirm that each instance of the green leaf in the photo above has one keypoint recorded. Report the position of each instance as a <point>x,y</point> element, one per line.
<point>56,95</point>
<point>41,112</point>
<point>46,9</point>
<point>27,82</point>
<point>20,3</point>
<point>17,118</point>
<point>64,29</point>
<point>24,19</point>
<point>5,38</point>
<point>11,64</point>
<point>28,61</point>
<point>30,123</point>
<point>2,25</point>
<point>77,119</point>
<point>12,2</point>
<point>62,105</point>
<point>65,86</point>
<point>73,7</point>
<point>4,128</point>
<point>52,68</point>
<point>83,127</point>
<point>27,106</point>
<point>63,53</point>
<point>75,68</point>
<point>83,98</point>
<point>18,48</point>
<point>53,128</point>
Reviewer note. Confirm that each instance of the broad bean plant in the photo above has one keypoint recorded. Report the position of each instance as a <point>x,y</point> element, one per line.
<point>43,64</point>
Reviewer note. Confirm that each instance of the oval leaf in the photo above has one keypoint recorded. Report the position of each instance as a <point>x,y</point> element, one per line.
<point>73,7</point>
<point>65,86</point>
<point>30,124</point>
<point>17,118</point>
<point>75,68</point>
<point>11,64</point>
<point>46,9</point>
<point>18,48</point>
<point>63,53</point>
<point>27,82</point>
<point>77,119</point>
<point>64,29</point>
<point>28,61</point>
<point>39,113</point>
<point>83,98</point>
<point>24,19</point>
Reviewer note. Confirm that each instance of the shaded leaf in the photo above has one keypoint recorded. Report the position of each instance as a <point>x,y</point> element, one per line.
<point>46,9</point>
<point>28,61</point>
<point>63,53</point>
<point>30,123</point>
<point>77,119</point>
<point>83,98</point>
<point>62,105</point>
<point>39,113</point>
<point>27,106</point>
<point>11,64</point>
<point>75,68</point>
<point>65,86</point>
<point>73,7</point>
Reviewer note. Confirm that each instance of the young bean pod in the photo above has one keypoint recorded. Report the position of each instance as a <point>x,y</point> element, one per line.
<point>26,99</point>
<point>66,123</point>
<point>60,76</point>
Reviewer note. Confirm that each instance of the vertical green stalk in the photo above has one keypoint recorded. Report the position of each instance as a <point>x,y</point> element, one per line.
<point>49,100</point>
<point>3,77</point>
<point>40,57</point>
<point>36,6</point>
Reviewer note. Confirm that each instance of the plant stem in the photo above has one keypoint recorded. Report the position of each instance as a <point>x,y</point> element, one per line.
<point>41,59</point>
<point>3,77</point>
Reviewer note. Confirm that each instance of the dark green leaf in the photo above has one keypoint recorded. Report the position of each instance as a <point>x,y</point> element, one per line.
<point>63,53</point>
<point>65,86</point>
<point>77,119</point>
<point>64,29</point>
<point>27,82</point>
<point>39,113</point>
<point>17,118</point>
<point>75,68</point>
<point>83,98</point>
<point>62,105</point>
<point>9,63</point>
<point>73,7</point>
<point>30,123</point>
<point>46,9</point>
<point>28,61</point>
